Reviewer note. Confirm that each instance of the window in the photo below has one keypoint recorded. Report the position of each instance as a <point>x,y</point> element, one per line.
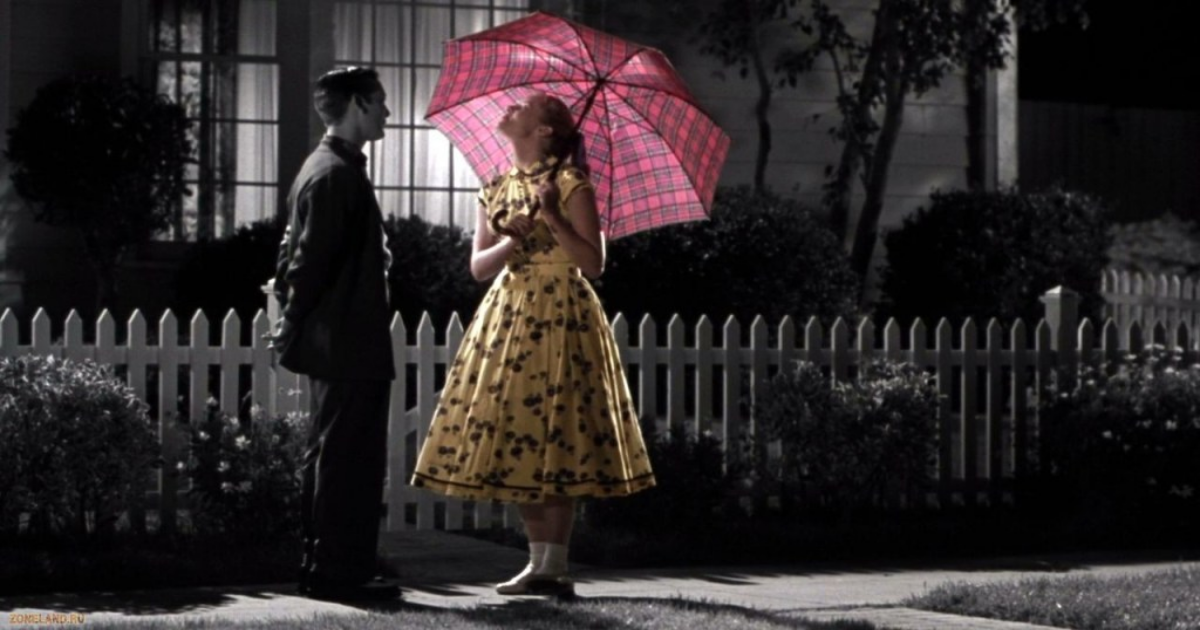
<point>415,169</point>
<point>217,58</point>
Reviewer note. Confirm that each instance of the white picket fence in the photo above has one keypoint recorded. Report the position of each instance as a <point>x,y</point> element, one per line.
<point>711,378</point>
<point>1152,299</point>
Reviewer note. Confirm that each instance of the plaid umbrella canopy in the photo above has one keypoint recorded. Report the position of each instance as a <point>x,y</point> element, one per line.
<point>655,156</point>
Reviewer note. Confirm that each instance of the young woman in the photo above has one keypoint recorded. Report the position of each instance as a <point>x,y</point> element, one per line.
<point>536,409</point>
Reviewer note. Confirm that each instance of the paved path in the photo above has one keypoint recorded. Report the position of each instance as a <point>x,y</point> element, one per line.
<point>447,571</point>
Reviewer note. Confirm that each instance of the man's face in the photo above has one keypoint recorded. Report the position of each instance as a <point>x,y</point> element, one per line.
<point>374,114</point>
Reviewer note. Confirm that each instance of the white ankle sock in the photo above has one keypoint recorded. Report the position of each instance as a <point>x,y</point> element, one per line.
<point>555,560</point>
<point>537,554</point>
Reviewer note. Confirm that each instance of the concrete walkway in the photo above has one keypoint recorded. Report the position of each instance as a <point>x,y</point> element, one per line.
<point>445,571</point>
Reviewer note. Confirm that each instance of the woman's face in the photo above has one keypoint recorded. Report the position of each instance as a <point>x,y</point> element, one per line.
<point>523,118</point>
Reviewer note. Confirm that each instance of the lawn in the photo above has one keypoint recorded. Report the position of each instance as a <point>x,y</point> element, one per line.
<point>1167,600</point>
<point>532,614</point>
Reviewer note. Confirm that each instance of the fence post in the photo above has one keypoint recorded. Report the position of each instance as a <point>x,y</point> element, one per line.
<point>1062,315</point>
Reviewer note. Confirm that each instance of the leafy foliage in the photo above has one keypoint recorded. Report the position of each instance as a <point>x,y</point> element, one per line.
<point>77,446</point>
<point>431,271</point>
<point>758,254</point>
<point>228,273</point>
<point>245,474</point>
<point>1022,244</point>
<point>692,487</point>
<point>1124,439</point>
<point>105,157</point>
<point>851,444</point>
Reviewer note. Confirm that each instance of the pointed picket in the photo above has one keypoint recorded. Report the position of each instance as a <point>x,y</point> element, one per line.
<point>865,343</point>
<point>814,342</point>
<point>731,387</point>
<point>891,340</point>
<point>787,343</point>
<point>945,388</point>
<point>169,431</point>
<point>1019,454</point>
<point>991,451</point>
<point>73,346</point>
<point>402,434</point>
<point>647,359</point>
<point>676,358</point>
<point>839,350</point>
<point>426,405</point>
<point>620,331</point>
<point>1110,347</point>
<point>759,362</point>
<point>918,342</point>
<point>41,344</point>
<point>1087,345</point>
<point>260,362</point>
<point>9,334</point>
<point>137,358</point>
<point>704,375</point>
<point>229,359</point>
<point>106,339</point>
<point>1135,340</point>
<point>201,356</point>
<point>967,457</point>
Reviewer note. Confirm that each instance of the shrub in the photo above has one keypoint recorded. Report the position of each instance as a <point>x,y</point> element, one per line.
<point>692,487</point>
<point>431,271</point>
<point>244,475</point>
<point>993,254</point>
<point>76,443</point>
<point>853,444</point>
<point>1125,442</point>
<point>758,254</point>
<point>228,273</point>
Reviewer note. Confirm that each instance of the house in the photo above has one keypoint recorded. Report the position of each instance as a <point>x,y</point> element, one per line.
<point>243,69</point>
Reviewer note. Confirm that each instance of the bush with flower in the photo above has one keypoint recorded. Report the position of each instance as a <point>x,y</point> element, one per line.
<point>1126,437</point>
<point>853,444</point>
<point>245,473</point>
<point>76,447</point>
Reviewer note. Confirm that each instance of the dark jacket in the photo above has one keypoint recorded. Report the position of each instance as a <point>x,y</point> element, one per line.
<point>331,279</point>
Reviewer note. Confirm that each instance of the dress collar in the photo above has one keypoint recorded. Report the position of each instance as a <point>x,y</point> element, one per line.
<point>540,167</point>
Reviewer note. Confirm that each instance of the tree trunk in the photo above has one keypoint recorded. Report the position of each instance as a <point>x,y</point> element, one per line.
<point>853,155</point>
<point>877,178</point>
<point>762,107</point>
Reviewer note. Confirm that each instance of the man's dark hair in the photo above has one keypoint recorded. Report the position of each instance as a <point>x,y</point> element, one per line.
<point>336,88</point>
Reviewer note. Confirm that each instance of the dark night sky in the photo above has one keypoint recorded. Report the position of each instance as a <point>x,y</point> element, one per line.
<point>1136,57</point>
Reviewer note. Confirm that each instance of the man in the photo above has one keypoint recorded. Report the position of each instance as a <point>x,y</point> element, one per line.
<point>331,282</point>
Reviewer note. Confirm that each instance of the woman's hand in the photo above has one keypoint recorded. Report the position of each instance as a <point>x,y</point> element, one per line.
<point>548,195</point>
<point>519,226</point>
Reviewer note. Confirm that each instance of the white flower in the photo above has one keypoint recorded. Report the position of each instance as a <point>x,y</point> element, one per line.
<point>245,486</point>
<point>241,442</point>
<point>223,467</point>
<point>1171,425</point>
<point>1106,435</point>
<point>1184,492</point>
<point>231,421</point>
<point>181,466</point>
<point>226,486</point>
<point>257,412</point>
<point>202,436</point>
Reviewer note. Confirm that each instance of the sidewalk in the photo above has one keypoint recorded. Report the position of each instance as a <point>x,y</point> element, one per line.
<point>447,571</point>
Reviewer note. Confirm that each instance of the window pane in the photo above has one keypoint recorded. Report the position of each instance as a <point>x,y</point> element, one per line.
<point>257,87</point>
<point>503,17</point>
<point>389,161</point>
<point>512,4</point>
<point>423,92</point>
<point>433,206</point>
<point>255,203</point>
<point>393,202</point>
<point>257,153</point>
<point>391,34</point>
<point>191,26</point>
<point>163,33</point>
<point>189,88</point>
<point>166,83</point>
<point>434,29</point>
<point>431,164</point>
<point>465,208</point>
<point>256,27</point>
<point>395,83</point>
<point>351,35</point>
<point>468,21</point>
<point>464,175</point>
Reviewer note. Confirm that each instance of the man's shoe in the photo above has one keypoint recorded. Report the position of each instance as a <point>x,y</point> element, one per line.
<point>318,587</point>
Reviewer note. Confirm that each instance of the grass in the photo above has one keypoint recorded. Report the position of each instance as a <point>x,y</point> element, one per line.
<point>1166,600</point>
<point>587,614</point>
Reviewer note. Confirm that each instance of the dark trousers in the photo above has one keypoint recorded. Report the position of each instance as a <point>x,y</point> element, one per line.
<point>343,470</point>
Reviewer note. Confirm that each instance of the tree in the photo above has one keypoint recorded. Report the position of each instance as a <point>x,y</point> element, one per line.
<point>734,33</point>
<point>105,157</point>
<point>912,47</point>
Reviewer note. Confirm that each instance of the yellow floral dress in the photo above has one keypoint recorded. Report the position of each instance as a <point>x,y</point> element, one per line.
<point>535,402</point>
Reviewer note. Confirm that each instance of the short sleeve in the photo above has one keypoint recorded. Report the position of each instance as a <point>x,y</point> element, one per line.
<point>571,180</point>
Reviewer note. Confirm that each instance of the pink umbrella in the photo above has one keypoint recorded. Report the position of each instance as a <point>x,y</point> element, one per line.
<point>655,155</point>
